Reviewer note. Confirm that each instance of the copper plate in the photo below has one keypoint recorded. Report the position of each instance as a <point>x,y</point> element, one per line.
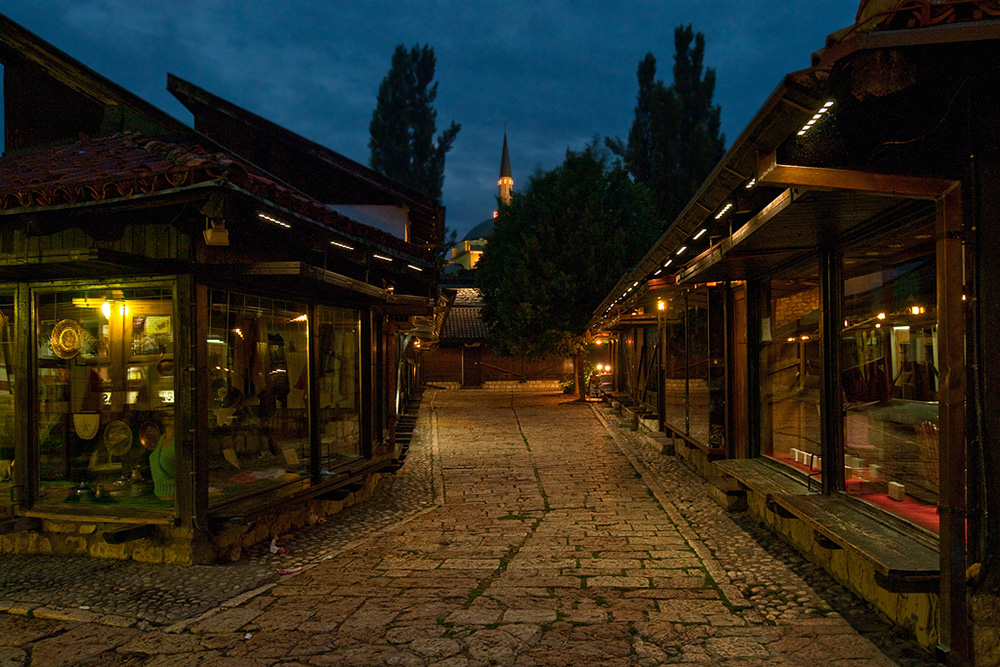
<point>66,339</point>
<point>149,435</point>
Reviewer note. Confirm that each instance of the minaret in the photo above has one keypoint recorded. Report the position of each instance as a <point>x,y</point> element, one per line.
<point>506,182</point>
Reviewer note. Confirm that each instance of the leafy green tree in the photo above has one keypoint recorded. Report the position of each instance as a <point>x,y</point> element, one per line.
<point>404,121</point>
<point>556,250</point>
<point>675,139</point>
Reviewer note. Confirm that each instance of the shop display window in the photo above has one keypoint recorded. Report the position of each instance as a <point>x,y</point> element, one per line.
<point>339,341</point>
<point>790,371</point>
<point>698,365</point>
<point>7,366</point>
<point>105,377</point>
<point>675,366</point>
<point>890,378</point>
<point>257,407</point>
<point>650,378</point>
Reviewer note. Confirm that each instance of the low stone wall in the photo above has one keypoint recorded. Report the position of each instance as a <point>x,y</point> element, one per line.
<point>176,545</point>
<point>506,385</point>
<point>915,612</point>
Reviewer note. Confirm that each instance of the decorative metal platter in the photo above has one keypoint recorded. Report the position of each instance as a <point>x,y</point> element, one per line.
<point>66,339</point>
<point>117,437</point>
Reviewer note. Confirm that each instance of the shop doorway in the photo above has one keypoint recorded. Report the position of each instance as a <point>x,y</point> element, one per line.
<point>472,370</point>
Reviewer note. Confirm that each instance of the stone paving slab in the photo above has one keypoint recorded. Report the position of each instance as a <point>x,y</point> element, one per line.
<point>524,529</point>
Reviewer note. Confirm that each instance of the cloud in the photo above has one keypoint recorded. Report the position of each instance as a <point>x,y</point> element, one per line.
<point>557,73</point>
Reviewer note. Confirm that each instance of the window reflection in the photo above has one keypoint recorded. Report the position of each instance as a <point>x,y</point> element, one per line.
<point>106,396</point>
<point>791,375</point>
<point>686,364</point>
<point>339,386</point>
<point>257,408</point>
<point>698,365</point>
<point>7,369</point>
<point>675,366</point>
<point>890,382</point>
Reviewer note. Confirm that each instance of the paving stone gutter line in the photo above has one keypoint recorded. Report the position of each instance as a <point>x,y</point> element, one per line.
<point>715,570</point>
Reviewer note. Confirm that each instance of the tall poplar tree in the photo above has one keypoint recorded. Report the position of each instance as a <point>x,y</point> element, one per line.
<point>674,142</point>
<point>404,121</point>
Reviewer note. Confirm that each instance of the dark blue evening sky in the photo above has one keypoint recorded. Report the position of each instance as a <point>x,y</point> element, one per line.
<point>556,73</point>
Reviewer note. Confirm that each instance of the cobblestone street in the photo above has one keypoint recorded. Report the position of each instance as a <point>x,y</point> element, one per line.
<point>524,529</point>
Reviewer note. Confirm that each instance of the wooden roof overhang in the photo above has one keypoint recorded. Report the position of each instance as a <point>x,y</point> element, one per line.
<point>788,107</point>
<point>315,169</point>
<point>181,206</point>
<point>61,101</point>
<point>301,278</point>
<point>793,225</point>
<point>787,198</point>
<point>626,322</point>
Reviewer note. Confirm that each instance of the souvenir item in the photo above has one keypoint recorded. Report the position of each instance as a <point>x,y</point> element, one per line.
<point>165,368</point>
<point>137,482</point>
<point>66,339</point>
<point>149,434</point>
<point>158,324</point>
<point>226,395</point>
<point>117,437</point>
<point>147,345</point>
<point>86,424</point>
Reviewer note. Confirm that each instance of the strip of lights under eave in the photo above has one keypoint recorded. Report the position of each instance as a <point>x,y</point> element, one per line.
<point>776,206</point>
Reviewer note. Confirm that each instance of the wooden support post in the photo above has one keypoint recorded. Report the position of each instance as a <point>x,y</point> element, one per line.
<point>190,389</point>
<point>951,421</point>
<point>313,324</point>
<point>755,312</point>
<point>831,393</point>
<point>26,414</point>
<point>368,371</point>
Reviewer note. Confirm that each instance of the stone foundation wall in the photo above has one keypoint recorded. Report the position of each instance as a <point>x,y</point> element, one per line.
<point>176,545</point>
<point>507,385</point>
<point>915,612</point>
<point>985,613</point>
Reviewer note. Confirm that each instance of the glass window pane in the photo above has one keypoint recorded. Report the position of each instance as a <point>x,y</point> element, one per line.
<point>790,365</point>
<point>890,378</point>
<point>675,366</point>
<point>258,418</point>
<point>7,367</point>
<point>106,396</point>
<point>698,364</point>
<point>339,386</point>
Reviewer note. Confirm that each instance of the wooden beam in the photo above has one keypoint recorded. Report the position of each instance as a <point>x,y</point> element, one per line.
<point>769,172</point>
<point>721,249</point>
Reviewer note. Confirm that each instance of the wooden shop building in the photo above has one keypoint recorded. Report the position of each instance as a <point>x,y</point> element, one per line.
<point>816,331</point>
<point>207,335</point>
